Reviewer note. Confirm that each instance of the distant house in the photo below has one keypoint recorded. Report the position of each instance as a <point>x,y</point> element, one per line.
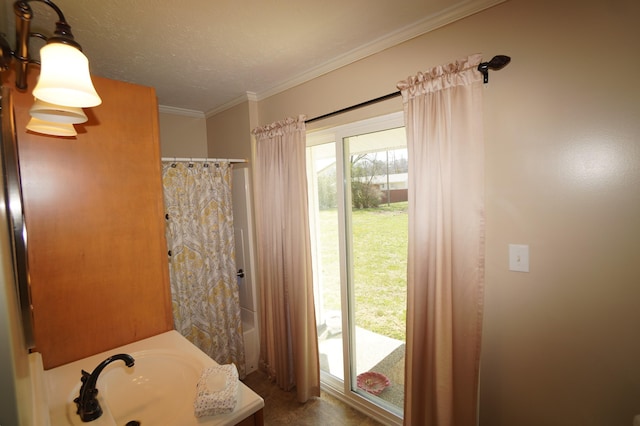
<point>394,187</point>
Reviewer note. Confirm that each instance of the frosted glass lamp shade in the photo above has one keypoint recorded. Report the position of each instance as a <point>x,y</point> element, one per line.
<point>49,128</point>
<point>64,77</point>
<point>57,113</point>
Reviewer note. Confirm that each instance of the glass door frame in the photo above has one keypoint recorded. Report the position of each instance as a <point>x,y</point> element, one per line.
<point>346,390</point>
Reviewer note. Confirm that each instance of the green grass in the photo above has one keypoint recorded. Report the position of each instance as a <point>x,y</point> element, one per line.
<point>379,267</point>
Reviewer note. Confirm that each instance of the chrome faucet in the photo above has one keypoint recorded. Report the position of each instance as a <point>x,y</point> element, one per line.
<point>88,406</point>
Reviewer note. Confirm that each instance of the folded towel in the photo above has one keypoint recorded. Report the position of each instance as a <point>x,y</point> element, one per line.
<point>216,391</point>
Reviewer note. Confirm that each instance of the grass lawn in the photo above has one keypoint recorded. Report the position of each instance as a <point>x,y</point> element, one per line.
<point>379,267</point>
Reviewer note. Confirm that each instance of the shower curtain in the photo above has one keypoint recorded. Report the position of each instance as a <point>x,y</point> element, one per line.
<point>200,239</point>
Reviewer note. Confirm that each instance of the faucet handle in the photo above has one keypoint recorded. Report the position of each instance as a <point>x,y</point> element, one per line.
<point>85,376</point>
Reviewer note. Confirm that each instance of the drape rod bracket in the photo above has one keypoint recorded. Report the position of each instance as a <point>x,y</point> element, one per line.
<point>496,63</point>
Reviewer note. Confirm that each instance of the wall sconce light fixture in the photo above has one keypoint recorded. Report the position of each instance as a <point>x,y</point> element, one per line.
<point>64,86</point>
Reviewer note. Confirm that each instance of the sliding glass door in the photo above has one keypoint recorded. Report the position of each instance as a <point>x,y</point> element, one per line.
<point>357,178</point>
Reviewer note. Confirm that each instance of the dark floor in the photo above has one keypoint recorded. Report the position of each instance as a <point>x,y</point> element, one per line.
<point>282,408</point>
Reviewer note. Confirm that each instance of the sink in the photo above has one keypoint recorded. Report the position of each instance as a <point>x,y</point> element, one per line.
<point>159,389</point>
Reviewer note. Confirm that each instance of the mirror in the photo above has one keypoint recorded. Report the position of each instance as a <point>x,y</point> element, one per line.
<point>15,215</point>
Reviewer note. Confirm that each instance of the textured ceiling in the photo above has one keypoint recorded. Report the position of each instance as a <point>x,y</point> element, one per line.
<point>202,56</point>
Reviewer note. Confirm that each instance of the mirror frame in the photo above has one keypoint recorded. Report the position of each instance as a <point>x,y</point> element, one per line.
<point>15,212</point>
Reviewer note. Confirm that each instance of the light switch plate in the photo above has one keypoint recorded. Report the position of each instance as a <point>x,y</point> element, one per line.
<point>519,257</point>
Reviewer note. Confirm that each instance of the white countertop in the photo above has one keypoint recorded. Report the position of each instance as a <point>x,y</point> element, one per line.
<point>63,383</point>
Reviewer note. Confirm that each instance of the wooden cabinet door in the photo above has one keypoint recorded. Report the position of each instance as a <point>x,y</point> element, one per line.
<point>95,224</point>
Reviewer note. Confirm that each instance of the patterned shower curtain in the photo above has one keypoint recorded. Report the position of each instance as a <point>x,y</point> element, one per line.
<point>200,239</point>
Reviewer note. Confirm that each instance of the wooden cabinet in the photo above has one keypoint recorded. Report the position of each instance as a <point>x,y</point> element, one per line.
<point>256,419</point>
<point>95,224</point>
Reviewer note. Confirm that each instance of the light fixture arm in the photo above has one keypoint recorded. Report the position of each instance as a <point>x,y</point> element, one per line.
<point>64,86</point>
<point>24,14</point>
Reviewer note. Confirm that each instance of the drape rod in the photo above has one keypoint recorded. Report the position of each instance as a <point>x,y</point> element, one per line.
<point>204,160</point>
<point>497,63</point>
<point>352,107</point>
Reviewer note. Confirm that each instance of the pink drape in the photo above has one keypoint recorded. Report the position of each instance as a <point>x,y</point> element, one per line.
<point>445,277</point>
<point>289,341</point>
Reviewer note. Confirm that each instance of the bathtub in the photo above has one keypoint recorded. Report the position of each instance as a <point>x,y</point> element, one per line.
<point>251,339</point>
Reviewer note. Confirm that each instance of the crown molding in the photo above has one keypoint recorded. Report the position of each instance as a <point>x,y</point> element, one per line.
<point>181,111</point>
<point>429,23</point>
<point>248,96</point>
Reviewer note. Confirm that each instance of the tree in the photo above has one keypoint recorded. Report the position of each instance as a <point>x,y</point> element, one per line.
<point>364,193</point>
<point>327,191</point>
<point>364,168</point>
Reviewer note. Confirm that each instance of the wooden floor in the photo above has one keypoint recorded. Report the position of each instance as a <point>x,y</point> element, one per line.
<point>282,408</point>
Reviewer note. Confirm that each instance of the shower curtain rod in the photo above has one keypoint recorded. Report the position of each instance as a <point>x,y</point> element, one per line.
<point>204,160</point>
<point>496,63</point>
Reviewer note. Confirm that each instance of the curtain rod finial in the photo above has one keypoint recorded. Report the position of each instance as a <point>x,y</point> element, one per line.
<point>496,63</point>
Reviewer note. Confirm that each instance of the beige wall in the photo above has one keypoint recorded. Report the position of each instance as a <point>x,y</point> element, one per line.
<point>561,343</point>
<point>224,135</point>
<point>182,135</point>
<point>562,129</point>
<point>229,132</point>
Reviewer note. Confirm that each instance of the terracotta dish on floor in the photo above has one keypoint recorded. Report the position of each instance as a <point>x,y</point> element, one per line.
<point>373,382</point>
